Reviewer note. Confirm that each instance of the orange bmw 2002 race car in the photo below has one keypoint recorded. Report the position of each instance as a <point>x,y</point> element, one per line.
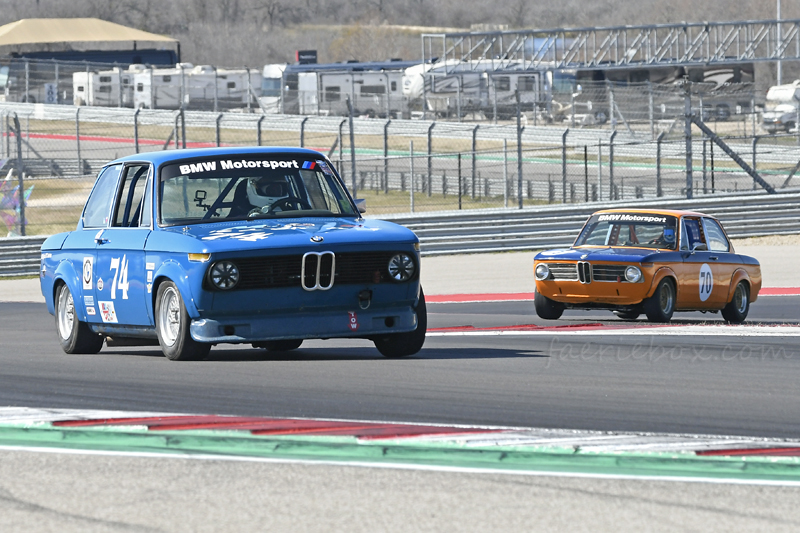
<point>654,262</point>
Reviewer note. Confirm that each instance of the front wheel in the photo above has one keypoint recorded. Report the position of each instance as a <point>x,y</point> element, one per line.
<point>736,311</point>
<point>404,344</point>
<point>547,308</point>
<point>661,305</point>
<point>74,335</point>
<point>172,326</point>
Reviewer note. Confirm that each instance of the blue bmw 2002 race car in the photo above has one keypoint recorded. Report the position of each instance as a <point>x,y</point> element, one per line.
<point>253,245</point>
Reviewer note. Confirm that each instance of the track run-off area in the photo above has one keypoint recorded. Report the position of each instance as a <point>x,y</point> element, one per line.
<point>501,419</point>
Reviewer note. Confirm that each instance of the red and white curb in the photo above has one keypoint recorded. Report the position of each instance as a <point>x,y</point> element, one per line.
<point>408,433</point>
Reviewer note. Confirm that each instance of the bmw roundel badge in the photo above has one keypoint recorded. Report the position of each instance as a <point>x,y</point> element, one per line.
<point>316,238</point>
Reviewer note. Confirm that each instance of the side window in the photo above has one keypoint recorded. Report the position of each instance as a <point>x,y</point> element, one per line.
<point>503,83</point>
<point>129,203</point>
<point>98,206</point>
<point>694,232</point>
<point>716,237</point>
<point>147,206</point>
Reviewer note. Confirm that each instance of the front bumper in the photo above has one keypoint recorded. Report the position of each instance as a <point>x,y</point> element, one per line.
<point>610,293</point>
<point>315,324</point>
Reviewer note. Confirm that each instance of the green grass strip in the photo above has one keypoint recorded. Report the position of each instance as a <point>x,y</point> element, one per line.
<point>226,444</point>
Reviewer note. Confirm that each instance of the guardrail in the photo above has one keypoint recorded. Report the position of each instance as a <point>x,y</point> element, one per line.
<point>481,231</point>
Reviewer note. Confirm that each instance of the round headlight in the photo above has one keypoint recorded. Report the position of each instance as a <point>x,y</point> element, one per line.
<point>633,274</point>
<point>542,271</point>
<point>401,267</point>
<point>224,275</point>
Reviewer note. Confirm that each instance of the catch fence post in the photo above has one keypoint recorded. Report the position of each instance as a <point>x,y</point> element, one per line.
<point>20,178</point>
<point>78,139</point>
<point>659,140</point>
<point>564,166</point>
<point>302,131</point>
<point>611,165</point>
<point>519,149</point>
<point>505,172</point>
<point>411,165</point>
<point>258,128</point>
<point>459,180</point>
<point>755,156</point>
<point>217,132</point>
<point>585,173</point>
<point>386,156</point>
<point>687,131</point>
<point>474,157</point>
<point>136,130</point>
<point>430,160</point>
<point>352,147</point>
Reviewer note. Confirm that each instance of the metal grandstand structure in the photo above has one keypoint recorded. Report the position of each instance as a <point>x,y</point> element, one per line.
<point>617,47</point>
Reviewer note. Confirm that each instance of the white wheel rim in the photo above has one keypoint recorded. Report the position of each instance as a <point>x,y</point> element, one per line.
<point>169,316</point>
<point>66,314</point>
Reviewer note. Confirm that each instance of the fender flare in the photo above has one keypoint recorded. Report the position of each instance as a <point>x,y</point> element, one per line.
<point>65,272</point>
<point>172,271</point>
<point>660,274</point>
<point>739,274</point>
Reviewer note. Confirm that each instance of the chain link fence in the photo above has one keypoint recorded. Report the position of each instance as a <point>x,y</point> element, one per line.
<point>398,165</point>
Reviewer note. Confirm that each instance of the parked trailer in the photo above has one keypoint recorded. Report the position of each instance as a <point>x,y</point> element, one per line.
<point>197,87</point>
<point>108,88</point>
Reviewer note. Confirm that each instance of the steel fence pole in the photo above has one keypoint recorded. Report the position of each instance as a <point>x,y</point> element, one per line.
<point>585,173</point>
<point>430,159</point>
<point>341,144</point>
<point>564,166</point>
<point>58,100</point>
<point>659,140</point>
<point>20,178</point>
<point>519,150</point>
<point>249,89</point>
<point>183,127</point>
<point>352,146</point>
<point>78,139</point>
<point>411,165</point>
<point>458,99</point>
<point>136,130</point>
<point>217,132</point>
<point>611,165</point>
<point>687,130</point>
<point>599,169</point>
<point>119,83</point>
<point>152,87</point>
<point>216,89</point>
<point>705,176</point>
<point>386,156</point>
<point>27,81</point>
<point>302,131</point>
<point>459,180</point>
<point>258,129</point>
<point>650,110</point>
<point>755,157</point>
<point>474,158</point>
<point>505,172</point>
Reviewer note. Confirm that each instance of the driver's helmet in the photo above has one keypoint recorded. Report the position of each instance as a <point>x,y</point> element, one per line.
<point>266,190</point>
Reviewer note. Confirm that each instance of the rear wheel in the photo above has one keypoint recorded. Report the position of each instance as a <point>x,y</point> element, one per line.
<point>547,308</point>
<point>736,311</point>
<point>661,305</point>
<point>74,335</point>
<point>404,344</point>
<point>172,326</point>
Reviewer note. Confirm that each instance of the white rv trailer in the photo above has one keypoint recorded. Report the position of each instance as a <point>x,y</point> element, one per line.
<point>453,88</point>
<point>375,89</point>
<point>782,108</point>
<point>107,88</point>
<point>198,87</point>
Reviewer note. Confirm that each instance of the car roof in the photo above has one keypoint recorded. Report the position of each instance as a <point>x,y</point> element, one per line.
<point>166,156</point>
<point>671,212</point>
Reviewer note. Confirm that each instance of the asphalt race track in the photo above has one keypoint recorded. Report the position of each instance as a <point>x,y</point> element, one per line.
<point>734,385</point>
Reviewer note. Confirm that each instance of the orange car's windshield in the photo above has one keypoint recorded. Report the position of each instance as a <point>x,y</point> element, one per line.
<point>635,230</point>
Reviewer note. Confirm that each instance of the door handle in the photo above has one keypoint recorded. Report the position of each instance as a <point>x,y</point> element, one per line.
<point>100,240</point>
<point>713,257</point>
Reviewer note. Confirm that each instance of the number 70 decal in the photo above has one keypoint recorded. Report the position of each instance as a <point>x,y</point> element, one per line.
<point>120,277</point>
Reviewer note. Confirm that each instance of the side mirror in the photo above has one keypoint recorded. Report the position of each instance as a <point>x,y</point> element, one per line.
<point>699,247</point>
<point>361,204</point>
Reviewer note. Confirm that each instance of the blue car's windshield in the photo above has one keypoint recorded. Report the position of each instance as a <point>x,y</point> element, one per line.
<point>636,230</point>
<point>249,186</point>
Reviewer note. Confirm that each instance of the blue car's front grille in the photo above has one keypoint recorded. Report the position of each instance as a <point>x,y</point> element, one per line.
<point>285,271</point>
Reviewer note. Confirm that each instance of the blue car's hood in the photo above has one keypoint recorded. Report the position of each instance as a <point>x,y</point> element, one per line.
<point>623,255</point>
<point>269,233</point>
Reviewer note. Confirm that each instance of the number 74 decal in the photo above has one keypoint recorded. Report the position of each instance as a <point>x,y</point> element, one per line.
<point>120,277</point>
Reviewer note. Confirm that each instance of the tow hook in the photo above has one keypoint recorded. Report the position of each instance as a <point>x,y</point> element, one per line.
<point>364,299</point>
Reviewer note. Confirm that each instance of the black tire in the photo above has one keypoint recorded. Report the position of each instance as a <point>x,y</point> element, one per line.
<point>736,310</point>
<point>172,326</point>
<point>661,305</point>
<point>405,344</point>
<point>546,308</point>
<point>74,335</point>
<point>279,346</point>
<point>628,315</point>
